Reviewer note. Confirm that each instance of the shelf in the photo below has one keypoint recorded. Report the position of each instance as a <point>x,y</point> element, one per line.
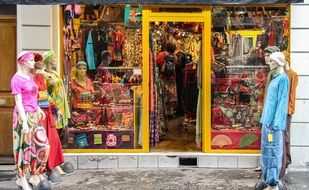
<point>122,67</point>
<point>246,66</point>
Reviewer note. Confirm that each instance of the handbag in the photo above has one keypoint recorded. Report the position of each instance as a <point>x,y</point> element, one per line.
<point>111,13</point>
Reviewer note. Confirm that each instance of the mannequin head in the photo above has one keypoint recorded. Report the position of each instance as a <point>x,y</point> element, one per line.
<point>106,57</point>
<point>276,61</point>
<point>25,61</point>
<point>38,58</point>
<point>49,58</point>
<point>269,50</point>
<point>81,69</point>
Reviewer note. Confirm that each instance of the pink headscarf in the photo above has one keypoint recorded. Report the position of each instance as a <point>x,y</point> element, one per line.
<point>24,57</point>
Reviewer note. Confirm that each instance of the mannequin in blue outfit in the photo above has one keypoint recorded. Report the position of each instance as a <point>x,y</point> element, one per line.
<point>273,121</point>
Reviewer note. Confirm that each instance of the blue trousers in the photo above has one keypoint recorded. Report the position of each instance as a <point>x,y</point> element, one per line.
<point>271,155</point>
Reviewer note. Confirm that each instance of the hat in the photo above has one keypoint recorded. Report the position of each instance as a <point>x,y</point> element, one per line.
<point>278,57</point>
<point>271,49</point>
<point>38,57</point>
<point>48,56</point>
<point>81,63</point>
<point>24,57</point>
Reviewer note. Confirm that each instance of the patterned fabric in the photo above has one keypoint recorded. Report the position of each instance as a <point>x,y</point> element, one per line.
<point>56,90</point>
<point>30,149</point>
<point>55,157</point>
<point>170,97</point>
<point>81,95</point>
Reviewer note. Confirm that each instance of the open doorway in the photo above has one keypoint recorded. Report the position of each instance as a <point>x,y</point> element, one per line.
<point>175,81</point>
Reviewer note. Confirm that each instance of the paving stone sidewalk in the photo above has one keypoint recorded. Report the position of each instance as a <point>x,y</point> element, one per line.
<point>159,179</point>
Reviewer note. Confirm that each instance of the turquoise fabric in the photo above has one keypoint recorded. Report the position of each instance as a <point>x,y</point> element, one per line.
<point>90,53</point>
<point>276,102</point>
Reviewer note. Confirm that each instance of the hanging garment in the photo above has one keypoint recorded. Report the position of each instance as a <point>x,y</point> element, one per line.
<point>90,53</point>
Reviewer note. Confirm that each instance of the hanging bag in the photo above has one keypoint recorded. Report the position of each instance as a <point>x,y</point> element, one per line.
<point>168,67</point>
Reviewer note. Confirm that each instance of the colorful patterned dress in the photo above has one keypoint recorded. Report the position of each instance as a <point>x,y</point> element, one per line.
<point>31,149</point>
<point>81,100</point>
<point>56,90</point>
<point>48,106</point>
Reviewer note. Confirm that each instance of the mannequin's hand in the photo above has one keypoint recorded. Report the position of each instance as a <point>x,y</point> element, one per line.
<point>59,113</point>
<point>75,114</point>
<point>41,114</point>
<point>25,126</point>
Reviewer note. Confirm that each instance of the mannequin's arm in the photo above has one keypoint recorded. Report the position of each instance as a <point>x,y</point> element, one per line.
<point>282,105</point>
<point>21,111</point>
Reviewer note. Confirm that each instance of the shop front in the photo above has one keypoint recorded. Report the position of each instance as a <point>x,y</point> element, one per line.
<point>210,101</point>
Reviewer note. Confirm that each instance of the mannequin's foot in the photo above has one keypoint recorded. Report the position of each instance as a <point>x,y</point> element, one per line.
<point>23,183</point>
<point>35,180</point>
<point>59,170</point>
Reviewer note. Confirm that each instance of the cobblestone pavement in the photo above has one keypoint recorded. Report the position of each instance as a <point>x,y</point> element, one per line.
<point>157,179</point>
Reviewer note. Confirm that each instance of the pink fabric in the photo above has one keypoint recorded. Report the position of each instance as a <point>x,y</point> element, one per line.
<point>28,90</point>
<point>25,57</point>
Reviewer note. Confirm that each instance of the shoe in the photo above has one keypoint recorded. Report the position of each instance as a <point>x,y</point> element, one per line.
<point>258,169</point>
<point>260,185</point>
<point>43,185</point>
<point>54,177</point>
<point>68,168</point>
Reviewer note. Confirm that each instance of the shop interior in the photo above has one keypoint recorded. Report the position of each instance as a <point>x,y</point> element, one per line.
<point>175,97</point>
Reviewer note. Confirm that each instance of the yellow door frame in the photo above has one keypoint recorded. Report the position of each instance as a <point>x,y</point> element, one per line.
<point>149,15</point>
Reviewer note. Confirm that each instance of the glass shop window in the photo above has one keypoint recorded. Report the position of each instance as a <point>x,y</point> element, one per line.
<point>103,72</point>
<point>242,37</point>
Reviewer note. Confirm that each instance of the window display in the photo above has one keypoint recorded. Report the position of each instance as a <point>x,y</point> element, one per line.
<point>240,36</point>
<point>103,66</point>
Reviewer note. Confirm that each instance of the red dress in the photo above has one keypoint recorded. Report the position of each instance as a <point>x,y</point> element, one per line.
<point>47,105</point>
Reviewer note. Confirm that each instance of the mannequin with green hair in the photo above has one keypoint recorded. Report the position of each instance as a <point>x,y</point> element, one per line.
<point>56,90</point>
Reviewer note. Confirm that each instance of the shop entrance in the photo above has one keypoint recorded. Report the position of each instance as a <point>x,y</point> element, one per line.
<point>178,56</point>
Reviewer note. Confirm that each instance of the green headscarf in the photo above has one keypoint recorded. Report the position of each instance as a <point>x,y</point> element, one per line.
<point>48,56</point>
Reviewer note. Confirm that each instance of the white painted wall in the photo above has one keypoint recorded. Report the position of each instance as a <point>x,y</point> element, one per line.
<point>300,64</point>
<point>38,28</point>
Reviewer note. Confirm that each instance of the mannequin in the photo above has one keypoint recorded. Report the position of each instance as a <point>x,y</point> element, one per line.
<point>56,91</point>
<point>293,79</point>
<point>81,97</point>
<point>27,134</point>
<point>273,121</point>
<point>55,158</point>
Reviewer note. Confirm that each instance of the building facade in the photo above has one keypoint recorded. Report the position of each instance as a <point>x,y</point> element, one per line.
<point>43,34</point>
